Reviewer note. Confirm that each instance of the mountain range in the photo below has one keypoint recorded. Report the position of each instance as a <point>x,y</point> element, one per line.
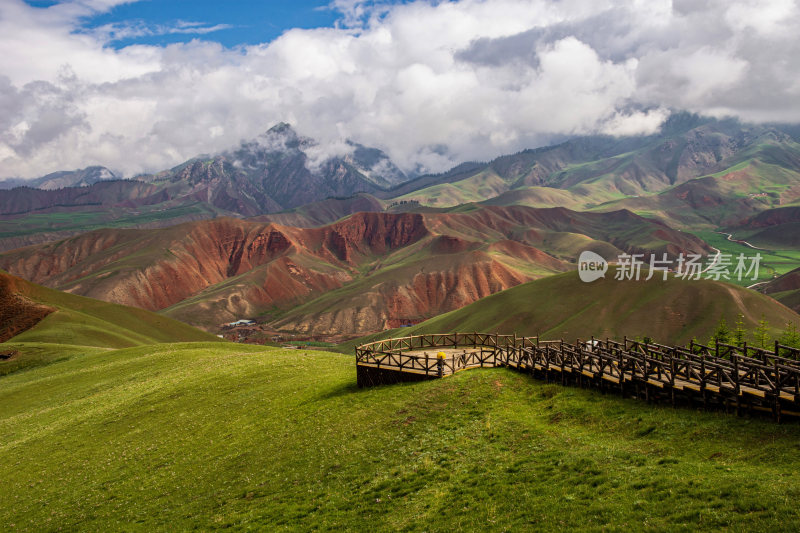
<point>276,171</point>
<point>694,173</point>
<point>65,178</point>
<point>345,243</point>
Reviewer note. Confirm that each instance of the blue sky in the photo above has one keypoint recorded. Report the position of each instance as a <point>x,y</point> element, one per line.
<point>233,22</point>
<point>251,21</point>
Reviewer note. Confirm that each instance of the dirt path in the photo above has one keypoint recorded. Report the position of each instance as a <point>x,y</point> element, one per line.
<point>715,261</point>
<point>739,241</point>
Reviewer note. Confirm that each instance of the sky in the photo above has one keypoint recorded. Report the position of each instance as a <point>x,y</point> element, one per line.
<point>142,85</point>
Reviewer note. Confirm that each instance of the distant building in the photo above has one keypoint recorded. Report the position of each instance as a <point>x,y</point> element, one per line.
<point>241,323</point>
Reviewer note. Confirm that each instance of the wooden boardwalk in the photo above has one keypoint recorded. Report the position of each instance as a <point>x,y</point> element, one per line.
<point>740,379</point>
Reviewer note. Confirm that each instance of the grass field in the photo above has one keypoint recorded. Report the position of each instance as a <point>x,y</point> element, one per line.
<point>185,436</point>
<point>91,220</point>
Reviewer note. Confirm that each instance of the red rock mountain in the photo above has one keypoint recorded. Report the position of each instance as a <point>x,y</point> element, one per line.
<point>360,274</point>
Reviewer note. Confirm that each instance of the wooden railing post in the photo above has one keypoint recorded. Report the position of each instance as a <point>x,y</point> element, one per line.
<point>777,392</point>
<point>703,381</point>
<point>736,386</point>
<point>672,377</point>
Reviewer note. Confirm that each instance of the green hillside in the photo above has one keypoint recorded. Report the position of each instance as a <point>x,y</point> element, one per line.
<point>742,169</point>
<point>774,261</point>
<point>84,325</point>
<point>789,298</point>
<point>35,228</point>
<point>208,436</point>
<point>562,306</point>
<point>785,289</point>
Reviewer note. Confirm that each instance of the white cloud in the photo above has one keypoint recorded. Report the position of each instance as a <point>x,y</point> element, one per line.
<point>432,83</point>
<point>318,154</point>
<point>767,17</point>
<point>635,123</point>
<point>134,29</point>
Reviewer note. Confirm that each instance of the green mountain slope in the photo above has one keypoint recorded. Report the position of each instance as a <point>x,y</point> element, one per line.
<point>562,306</point>
<point>785,289</point>
<point>80,325</point>
<point>600,169</point>
<point>728,197</point>
<point>772,228</point>
<point>206,436</point>
<point>696,173</point>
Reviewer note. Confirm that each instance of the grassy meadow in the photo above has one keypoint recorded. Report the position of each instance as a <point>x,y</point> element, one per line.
<point>17,226</point>
<point>211,435</point>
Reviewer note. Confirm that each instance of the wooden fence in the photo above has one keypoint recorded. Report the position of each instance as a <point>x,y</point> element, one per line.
<point>743,379</point>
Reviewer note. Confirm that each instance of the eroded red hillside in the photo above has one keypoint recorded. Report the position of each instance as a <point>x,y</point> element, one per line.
<point>17,312</point>
<point>160,268</point>
<point>449,283</point>
<point>382,268</point>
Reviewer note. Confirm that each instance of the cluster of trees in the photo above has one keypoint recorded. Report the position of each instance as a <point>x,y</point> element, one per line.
<point>414,203</point>
<point>760,337</point>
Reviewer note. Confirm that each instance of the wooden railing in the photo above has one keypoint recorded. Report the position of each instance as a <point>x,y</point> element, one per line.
<point>726,375</point>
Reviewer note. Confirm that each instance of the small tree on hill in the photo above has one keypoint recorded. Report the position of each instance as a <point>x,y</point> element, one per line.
<point>761,333</point>
<point>790,336</point>
<point>739,332</point>
<point>722,335</point>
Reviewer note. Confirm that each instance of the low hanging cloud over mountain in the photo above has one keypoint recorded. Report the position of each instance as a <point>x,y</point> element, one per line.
<point>431,83</point>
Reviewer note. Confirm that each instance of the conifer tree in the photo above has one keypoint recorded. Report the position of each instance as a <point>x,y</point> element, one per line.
<point>722,334</point>
<point>790,336</point>
<point>761,333</point>
<point>739,332</point>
